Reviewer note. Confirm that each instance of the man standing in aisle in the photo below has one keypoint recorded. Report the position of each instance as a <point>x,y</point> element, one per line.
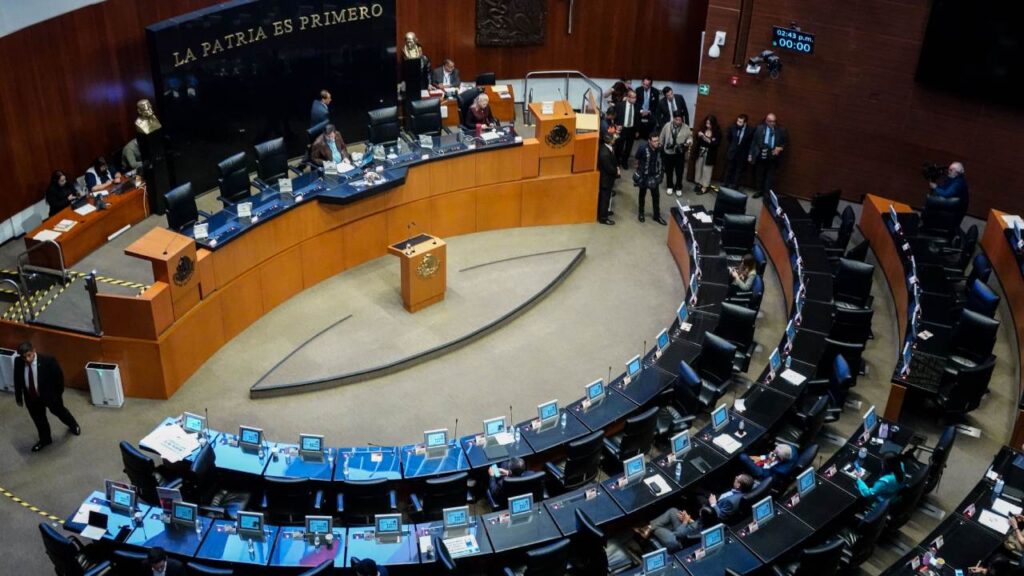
<point>609,170</point>
<point>765,151</point>
<point>627,118</point>
<point>320,111</point>
<point>39,385</point>
<point>668,106</point>
<point>740,136</point>
<point>647,177</point>
<point>647,97</point>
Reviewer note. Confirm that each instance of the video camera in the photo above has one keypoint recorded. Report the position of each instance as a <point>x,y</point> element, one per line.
<point>933,172</point>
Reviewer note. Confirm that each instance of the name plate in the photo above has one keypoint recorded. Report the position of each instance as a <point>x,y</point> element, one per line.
<point>201,231</point>
<point>285,184</point>
<point>245,210</point>
<point>330,168</point>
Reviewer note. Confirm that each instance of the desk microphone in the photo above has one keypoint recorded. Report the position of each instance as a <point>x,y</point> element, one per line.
<point>511,422</point>
<point>206,414</point>
<point>455,434</point>
<point>169,242</point>
<point>566,112</point>
<point>609,374</point>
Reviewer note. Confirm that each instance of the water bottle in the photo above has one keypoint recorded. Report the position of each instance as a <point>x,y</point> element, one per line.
<point>564,419</point>
<point>998,490</point>
<point>518,435</point>
<point>679,470</point>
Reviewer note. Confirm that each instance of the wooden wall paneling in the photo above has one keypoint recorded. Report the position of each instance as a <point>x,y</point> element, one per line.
<point>499,206</point>
<point>542,194</point>
<point>408,220</point>
<point>143,316</point>
<point>365,240</point>
<point>141,367</point>
<point>240,303</point>
<point>555,166</point>
<point>531,158</point>
<point>499,166</point>
<point>322,256</point>
<point>73,351</point>
<point>454,213</point>
<point>281,278</point>
<point>192,340</point>
<point>585,157</point>
<point>454,174</point>
<point>771,238</point>
<point>359,210</point>
<point>416,187</point>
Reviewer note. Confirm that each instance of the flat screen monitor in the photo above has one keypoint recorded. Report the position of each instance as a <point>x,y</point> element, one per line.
<point>633,366</point>
<point>457,517</point>
<point>548,411</point>
<point>655,562</point>
<point>250,524</point>
<point>319,525</point>
<point>694,286</point>
<point>895,218</point>
<point>663,340</point>
<point>791,331</point>
<point>122,499</point>
<point>435,438</point>
<point>908,355</point>
<point>634,468</point>
<point>250,437</point>
<point>192,423</point>
<point>311,444</point>
<point>720,418</point>
<point>773,199</point>
<point>184,514</point>
<point>493,426</point>
<point>1016,233</point>
<point>763,511</point>
<point>712,538</point>
<point>520,505</point>
<point>682,313</point>
<point>385,525</point>
<point>775,361</point>
<point>806,482</point>
<point>870,420</point>
<point>595,391</point>
<point>681,444</point>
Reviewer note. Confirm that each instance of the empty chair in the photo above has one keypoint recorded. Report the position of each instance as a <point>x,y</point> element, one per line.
<point>590,552</point>
<point>715,367</point>
<point>485,79</point>
<point>440,493</point>
<point>68,555</point>
<point>940,218</point>
<point>728,202</point>
<point>581,465</point>
<point>271,161</point>
<point>955,261</point>
<point>425,116</point>
<point>736,325</point>
<point>851,324</point>
<point>852,284</point>
<point>981,299</point>
<point>821,560</point>
<point>908,500</point>
<point>973,339</point>
<point>234,181</point>
<point>678,403</point>
<point>383,126</point>
<point>859,252</point>
<point>963,388</point>
<point>806,422</point>
<point>981,268</point>
<point>530,482</point>
<point>751,300</point>
<point>201,486</point>
<point>141,472</point>
<point>861,539</point>
<point>443,561</point>
<point>197,569</point>
<point>325,567</point>
<point>835,246</point>
<point>181,208</point>
<point>938,457</point>
<point>738,233</point>
<point>852,352</point>
<point>636,437</point>
<point>359,500</point>
<point>824,207</point>
<point>836,387</point>
<point>549,560</point>
<point>291,499</point>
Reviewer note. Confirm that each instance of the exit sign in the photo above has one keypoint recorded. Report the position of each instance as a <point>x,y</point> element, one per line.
<point>704,89</point>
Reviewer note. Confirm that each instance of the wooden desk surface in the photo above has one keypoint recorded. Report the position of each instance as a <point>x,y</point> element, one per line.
<point>158,245</point>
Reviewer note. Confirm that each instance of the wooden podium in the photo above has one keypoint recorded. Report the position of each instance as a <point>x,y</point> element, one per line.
<point>424,270</point>
<point>173,257</point>
<point>556,131</point>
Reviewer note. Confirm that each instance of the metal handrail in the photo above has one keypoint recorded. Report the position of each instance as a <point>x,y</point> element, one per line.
<point>565,93</point>
<point>22,266</point>
<point>17,287</point>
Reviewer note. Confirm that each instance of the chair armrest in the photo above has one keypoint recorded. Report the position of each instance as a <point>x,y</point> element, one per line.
<point>225,201</point>
<point>816,386</point>
<point>392,500</point>
<point>263,502</point>
<point>97,570</point>
<point>554,471</point>
<point>611,447</point>
<point>260,184</point>
<point>417,504</point>
<point>297,169</point>
<point>491,501</point>
<point>508,572</point>
<point>778,571</point>
<point>318,500</point>
<point>340,504</point>
<point>216,511</point>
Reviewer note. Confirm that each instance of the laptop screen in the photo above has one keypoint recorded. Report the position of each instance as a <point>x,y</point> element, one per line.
<point>633,366</point>
<point>318,524</point>
<point>192,422</point>
<point>720,417</point>
<point>250,436</point>
<point>494,426</point>
<point>387,524</point>
<point>663,340</point>
<point>595,390</point>
<point>457,517</point>
<point>435,438</point>
<point>655,561</point>
<point>634,467</point>
<point>548,411</point>
<point>805,482</point>
<point>712,538</point>
<point>681,444</point>
<point>763,511</point>
<point>311,442</point>
<point>519,505</point>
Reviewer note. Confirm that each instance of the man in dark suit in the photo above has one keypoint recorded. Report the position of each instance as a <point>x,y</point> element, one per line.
<point>445,76</point>
<point>667,106</point>
<point>627,120</point>
<point>954,185</point>
<point>741,134</point>
<point>609,169</point>
<point>778,463</point>
<point>320,112</point>
<point>765,152</point>
<point>727,504</point>
<point>160,565</point>
<point>647,102</point>
<point>39,385</point>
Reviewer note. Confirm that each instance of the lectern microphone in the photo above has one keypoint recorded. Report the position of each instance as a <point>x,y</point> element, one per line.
<point>562,97</point>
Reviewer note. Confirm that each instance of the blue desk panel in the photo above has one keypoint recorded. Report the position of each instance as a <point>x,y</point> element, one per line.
<point>223,544</point>
<point>436,528</point>
<point>368,463</point>
<point>119,524</point>
<point>293,549</point>
<point>600,507</point>
<point>553,435</point>
<point>176,540</point>
<point>288,463</point>
<point>362,544</point>
<point>416,464</point>
<point>522,532</point>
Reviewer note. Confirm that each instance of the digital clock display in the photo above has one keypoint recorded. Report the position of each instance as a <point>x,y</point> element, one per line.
<point>794,40</point>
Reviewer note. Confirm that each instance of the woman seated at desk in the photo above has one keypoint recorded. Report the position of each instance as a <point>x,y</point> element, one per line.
<point>98,178</point>
<point>329,147</point>
<point>743,275</point>
<point>889,482</point>
<point>479,113</point>
<point>61,192</point>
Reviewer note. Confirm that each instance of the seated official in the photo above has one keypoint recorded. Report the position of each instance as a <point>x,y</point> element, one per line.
<point>131,156</point>
<point>889,482</point>
<point>446,75</point>
<point>367,567</point>
<point>778,463</point>
<point>727,504</point>
<point>998,565</point>
<point>743,275</point>
<point>675,529</point>
<point>513,467</point>
<point>954,185</point>
<point>329,147</point>
<point>158,564</point>
<point>479,113</point>
<point>60,193</point>
<point>98,177</point>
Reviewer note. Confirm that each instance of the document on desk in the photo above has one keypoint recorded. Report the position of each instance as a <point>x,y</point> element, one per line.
<point>94,532</point>
<point>1012,219</point>
<point>793,377</point>
<point>740,405</point>
<point>657,484</point>
<point>727,442</point>
<point>172,443</point>
<point>994,521</point>
<point>64,225</point>
<point>703,217</point>
<point>44,235</point>
<point>1005,508</point>
<point>82,516</point>
<point>504,438</point>
<point>85,209</point>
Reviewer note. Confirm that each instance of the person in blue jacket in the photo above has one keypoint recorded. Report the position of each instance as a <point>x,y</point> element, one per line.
<point>954,185</point>
<point>888,484</point>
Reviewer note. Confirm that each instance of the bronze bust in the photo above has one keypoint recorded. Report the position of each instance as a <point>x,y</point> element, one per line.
<point>412,49</point>
<point>147,122</point>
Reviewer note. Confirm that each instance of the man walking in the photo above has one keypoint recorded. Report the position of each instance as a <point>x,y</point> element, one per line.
<point>39,385</point>
<point>765,151</point>
<point>647,177</point>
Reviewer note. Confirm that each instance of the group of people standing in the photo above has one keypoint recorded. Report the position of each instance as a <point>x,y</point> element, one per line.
<point>661,120</point>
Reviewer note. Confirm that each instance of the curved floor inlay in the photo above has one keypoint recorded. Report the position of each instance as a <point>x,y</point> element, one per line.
<point>378,336</point>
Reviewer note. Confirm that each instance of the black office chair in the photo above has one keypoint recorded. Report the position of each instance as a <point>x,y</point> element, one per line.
<point>728,202</point>
<point>234,181</point>
<point>425,116</point>
<point>549,560</point>
<point>860,540</point>
<point>738,233</point>
<point>141,472</point>
<point>129,563</point>
<point>359,500</point>
<point>853,352</point>
<point>443,561</point>
<point>715,367</point>
<point>736,325</point>
<point>465,100</point>
<point>824,207</point>
<point>201,486</point>
<point>530,482</point>
<point>181,208</point>
<point>851,324</point>
<point>859,253</point>
<point>836,387</point>
<point>806,422</point>
<point>581,465</point>
<point>751,300</point>
<point>955,260</point>
<point>938,457</point>
<point>440,493</point>
<point>287,500</point>
<point>485,79</point>
<point>852,284</point>
<point>383,125</point>
<point>761,489</point>
<point>973,339</point>
<point>821,560</point>
<point>760,259</point>
<point>963,388</point>
<point>636,437</point>
<point>590,552</point>
<point>940,219</point>
<point>982,299</point>
<point>312,133</point>
<point>909,498</point>
<point>325,567</point>
<point>68,555</point>
<point>835,246</point>
<point>271,161</point>
<point>197,569</point>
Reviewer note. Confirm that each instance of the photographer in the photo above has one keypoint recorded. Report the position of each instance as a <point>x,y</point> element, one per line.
<point>954,185</point>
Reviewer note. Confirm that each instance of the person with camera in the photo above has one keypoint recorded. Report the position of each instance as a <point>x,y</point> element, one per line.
<point>953,185</point>
<point>770,140</point>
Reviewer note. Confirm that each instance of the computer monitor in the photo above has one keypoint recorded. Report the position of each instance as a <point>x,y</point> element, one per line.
<point>908,355</point>
<point>791,332</point>
<point>250,437</point>
<point>663,340</point>
<point>633,366</point>
<point>184,514</point>
<point>763,511</point>
<point>122,499</point>
<point>250,524</point>
<point>387,525</point>
<point>1016,233</point>
<point>682,313</point>
<point>494,426</point>
<point>595,391</point>
<point>655,562</point>
<point>192,423</point>
<point>520,505</point>
<point>694,287</point>
<point>895,218</point>
<point>457,517</point>
<point>870,420</point>
<point>311,444</point>
<point>720,418</point>
<point>435,439</point>
<point>712,538</point>
<point>806,481</point>
<point>775,361</point>
<point>634,468</point>
<point>680,444</point>
<point>773,199</point>
<point>547,412</point>
<point>319,525</point>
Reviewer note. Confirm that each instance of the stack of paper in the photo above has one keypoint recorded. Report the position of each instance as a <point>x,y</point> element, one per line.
<point>44,235</point>
<point>172,443</point>
<point>727,442</point>
<point>85,209</point>
<point>793,377</point>
<point>64,225</point>
<point>657,484</point>
<point>994,521</point>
